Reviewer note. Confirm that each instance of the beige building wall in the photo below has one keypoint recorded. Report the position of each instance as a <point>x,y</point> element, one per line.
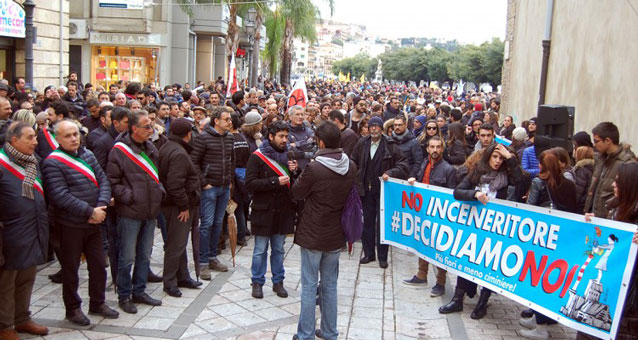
<point>46,51</point>
<point>591,65</point>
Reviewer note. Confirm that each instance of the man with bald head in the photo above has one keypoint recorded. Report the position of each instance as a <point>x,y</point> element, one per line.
<point>79,192</point>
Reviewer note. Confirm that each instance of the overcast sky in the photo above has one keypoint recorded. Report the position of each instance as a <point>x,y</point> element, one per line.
<point>468,21</point>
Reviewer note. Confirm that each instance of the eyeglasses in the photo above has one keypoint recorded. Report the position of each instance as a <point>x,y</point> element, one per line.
<point>147,127</point>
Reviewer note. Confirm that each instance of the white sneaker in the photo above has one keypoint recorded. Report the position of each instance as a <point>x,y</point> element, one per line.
<point>538,333</point>
<point>529,323</point>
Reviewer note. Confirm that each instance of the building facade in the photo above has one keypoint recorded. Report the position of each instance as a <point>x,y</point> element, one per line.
<point>589,62</point>
<point>50,49</point>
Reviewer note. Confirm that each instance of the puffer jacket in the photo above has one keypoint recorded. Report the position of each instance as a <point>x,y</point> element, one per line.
<point>411,150</point>
<point>605,170</point>
<point>442,174</point>
<point>583,172</point>
<point>302,136</point>
<point>103,145</point>
<point>457,153</point>
<point>25,231</point>
<point>324,185</point>
<point>72,194</point>
<point>137,195</point>
<point>178,174</point>
<point>214,157</point>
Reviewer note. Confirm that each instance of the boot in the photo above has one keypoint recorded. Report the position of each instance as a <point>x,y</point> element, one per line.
<point>481,307</point>
<point>9,334</point>
<point>456,305</point>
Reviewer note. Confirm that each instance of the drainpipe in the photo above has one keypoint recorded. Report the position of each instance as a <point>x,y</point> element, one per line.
<point>61,41</point>
<point>546,48</point>
<point>194,58</point>
<point>29,5</point>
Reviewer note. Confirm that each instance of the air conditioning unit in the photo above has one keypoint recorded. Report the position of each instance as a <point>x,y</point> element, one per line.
<point>78,29</point>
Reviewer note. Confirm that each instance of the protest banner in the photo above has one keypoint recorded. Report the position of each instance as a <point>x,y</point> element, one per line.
<point>573,271</point>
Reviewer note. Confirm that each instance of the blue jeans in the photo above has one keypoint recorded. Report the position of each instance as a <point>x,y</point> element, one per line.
<point>213,206</point>
<point>260,254</point>
<point>136,243</point>
<point>313,263</point>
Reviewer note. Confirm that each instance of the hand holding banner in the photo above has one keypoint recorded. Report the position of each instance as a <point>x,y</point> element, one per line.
<point>535,256</point>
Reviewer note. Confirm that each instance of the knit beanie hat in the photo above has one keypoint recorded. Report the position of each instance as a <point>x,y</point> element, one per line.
<point>582,138</point>
<point>252,118</point>
<point>180,127</point>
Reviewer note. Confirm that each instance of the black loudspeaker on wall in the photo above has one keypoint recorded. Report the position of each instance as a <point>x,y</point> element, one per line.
<point>554,127</point>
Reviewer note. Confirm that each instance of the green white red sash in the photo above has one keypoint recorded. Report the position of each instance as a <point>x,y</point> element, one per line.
<point>142,160</point>
<point>76,163</point>
<point>50,138</point>
<point>276,167</point>
<point>18,171</point>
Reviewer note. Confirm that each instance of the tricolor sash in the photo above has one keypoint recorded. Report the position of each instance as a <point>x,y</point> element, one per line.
<point>18,171</point>
<point>76,163</point>
<point>142,160</point>
<point>50,138</point>
<point>276,167</point>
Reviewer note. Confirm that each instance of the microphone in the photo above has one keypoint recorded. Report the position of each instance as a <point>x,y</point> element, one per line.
<point>291,155</point>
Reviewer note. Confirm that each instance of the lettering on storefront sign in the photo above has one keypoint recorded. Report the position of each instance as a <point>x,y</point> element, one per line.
<point>125,39</point>
<point>12,18</point>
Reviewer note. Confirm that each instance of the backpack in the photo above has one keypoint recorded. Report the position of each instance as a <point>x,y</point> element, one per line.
<point>352,218</point>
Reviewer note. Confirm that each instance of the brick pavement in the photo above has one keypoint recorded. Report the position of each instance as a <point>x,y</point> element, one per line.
<point>373,304</point>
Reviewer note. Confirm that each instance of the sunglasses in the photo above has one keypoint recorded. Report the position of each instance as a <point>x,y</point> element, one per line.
<point>431,127</point>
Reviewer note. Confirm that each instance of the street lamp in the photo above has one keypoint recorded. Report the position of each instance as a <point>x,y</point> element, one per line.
<point>250,31</point>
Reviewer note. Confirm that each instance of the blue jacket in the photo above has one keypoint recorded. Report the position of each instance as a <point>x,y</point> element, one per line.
<point>529,162</point>
<point>24,224</point>
<point>72,194</point>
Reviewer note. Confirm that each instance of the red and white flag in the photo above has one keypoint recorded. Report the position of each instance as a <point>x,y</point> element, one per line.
<point>233,85</point>
<point>298,95</point>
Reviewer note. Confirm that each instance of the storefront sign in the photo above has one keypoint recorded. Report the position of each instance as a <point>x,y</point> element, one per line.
<point>11,19</point>
<point>573,271</point>
<point>125,39</point>
<point>123,4</point>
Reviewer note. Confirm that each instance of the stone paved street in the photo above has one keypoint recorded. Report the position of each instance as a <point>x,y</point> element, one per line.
<point>373,304</point>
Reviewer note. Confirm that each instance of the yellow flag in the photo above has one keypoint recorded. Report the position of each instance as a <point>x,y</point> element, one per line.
<point>363,78</point>
<point>348,77</point>
<point>341,76</point>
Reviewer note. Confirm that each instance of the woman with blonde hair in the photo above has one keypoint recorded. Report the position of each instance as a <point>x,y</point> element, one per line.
<point>23,115</point>
<point>583,172</point>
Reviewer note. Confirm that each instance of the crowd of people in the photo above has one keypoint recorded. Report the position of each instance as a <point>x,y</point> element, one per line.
<point>92,172</point>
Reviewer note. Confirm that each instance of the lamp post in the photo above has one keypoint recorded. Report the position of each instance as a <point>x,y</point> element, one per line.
<point>29,6</point>
<point>250,31</point>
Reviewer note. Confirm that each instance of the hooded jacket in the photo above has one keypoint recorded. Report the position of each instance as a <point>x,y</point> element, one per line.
<point>324,185</point>
<point>605,170</point>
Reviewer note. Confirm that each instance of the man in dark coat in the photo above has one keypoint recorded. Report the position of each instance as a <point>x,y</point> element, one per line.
<point>179,177</point>
<point>324,185</point>
<point>392,109</point>
<point>408,145</point>
<point>376,156</point>
<point>57,111</point>
<point>104,116</point>
<point>79,192</point>
<point>268,179</point>
<point>119,124</point>
<point>214,160</point>
<point>138,194</point>
<point>349,138</point>
<point>24,229</point>
<point>434,170</point>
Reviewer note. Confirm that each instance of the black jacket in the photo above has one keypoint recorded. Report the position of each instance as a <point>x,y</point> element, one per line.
<point>24,224</point>
<point>273,210</point>
<point>103,145</point>
<point>137,195</point>
<point>563,198</point>
<point>393,162</point>
<point>214,157</point>
<point>44,148</point>
<point>411,150</point>
<point>94,135</point>
<point>466,190</point>
<point>442,174</point>
<point>583,172</point>
<point>178,174</point>
<point>72,194</point>
<point>457,153</point>
<point>325,192</point>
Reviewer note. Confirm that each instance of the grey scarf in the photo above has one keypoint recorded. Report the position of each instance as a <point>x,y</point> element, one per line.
<point>496,180</point>
<point>29,163</point>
